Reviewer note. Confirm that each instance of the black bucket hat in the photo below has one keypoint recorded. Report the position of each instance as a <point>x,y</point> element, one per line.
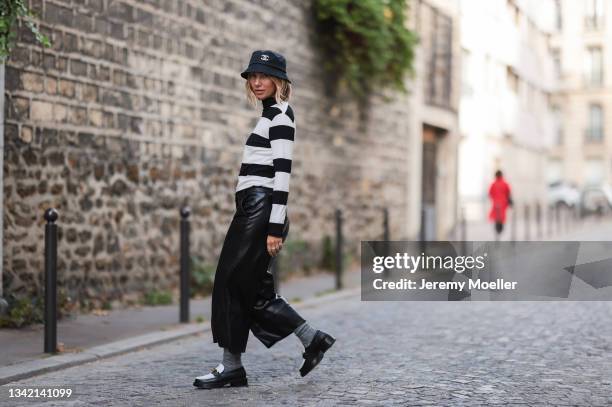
<point>268,62</point>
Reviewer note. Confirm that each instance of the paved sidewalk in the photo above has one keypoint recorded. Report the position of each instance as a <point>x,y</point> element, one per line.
<point>598,229</point>
<point>122,330</point>
<point>589,228</point>
<point>386,353</point>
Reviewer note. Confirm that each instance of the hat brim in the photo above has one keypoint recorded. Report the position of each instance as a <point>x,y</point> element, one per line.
<point>264,69</point>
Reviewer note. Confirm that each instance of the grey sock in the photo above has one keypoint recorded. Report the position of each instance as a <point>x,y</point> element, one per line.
<point>231,360</point>
<point>306,333</point>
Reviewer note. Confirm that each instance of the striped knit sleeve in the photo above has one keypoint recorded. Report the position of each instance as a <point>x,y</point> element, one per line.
<point>282,132</point>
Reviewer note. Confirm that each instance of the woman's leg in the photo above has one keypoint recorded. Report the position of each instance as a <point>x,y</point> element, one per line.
<point>230,371</point>
<point>226,323</point>
<point>305,334</point>
<point>229,325</point>
<point>274,319</point>
<point>231,360</point>
<point>233,293</point>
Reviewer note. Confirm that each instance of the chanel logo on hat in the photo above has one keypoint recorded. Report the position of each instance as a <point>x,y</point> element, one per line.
<point>264,57</point>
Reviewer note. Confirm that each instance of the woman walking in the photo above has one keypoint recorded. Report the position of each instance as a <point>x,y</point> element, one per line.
<point>501,199</point>
<point>243,296</point>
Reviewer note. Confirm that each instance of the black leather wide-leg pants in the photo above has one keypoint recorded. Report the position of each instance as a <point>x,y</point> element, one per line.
<point>243,296</point>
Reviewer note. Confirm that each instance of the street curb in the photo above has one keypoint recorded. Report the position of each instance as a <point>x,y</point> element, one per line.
<point>327,298</point>
<point>53,363</point>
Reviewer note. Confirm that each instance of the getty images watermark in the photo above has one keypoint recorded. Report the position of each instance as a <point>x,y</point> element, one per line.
<point>412,264</point>
<point>442,271</point>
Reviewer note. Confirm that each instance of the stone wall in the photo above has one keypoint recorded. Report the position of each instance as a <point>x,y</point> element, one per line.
<point>138,108</point>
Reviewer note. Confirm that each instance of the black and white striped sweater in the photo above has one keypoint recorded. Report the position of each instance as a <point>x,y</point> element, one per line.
<point>266,160</point>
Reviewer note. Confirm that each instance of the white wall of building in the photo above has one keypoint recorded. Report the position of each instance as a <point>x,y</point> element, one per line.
<point>504,113</point>
<point>576,160</point>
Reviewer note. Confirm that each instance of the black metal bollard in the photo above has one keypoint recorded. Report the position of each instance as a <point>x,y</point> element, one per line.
<point>185,266</point>
<point>514,221</point>
<point>463,235</point>
<point>562,222</point>
<point>386,236</point>
<point>422,245</point>
<point>576,214</point>
<point>549,220</point>
<point>422,230</point>
<point>338,249</point>
<point>51,216</point>
<point>538,215</point>
<point>386,224</point>
<point>527,220</point>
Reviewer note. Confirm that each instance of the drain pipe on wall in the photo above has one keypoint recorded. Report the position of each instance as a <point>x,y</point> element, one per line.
<point>3,303</point>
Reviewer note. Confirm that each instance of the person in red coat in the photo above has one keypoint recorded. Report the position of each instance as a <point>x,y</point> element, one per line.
<point>499,193</point>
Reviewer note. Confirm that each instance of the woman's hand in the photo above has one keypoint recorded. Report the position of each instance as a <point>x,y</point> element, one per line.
<point>275,244</point>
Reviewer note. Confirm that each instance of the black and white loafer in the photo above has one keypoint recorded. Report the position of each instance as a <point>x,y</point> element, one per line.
<point>314,352</point>
<point>219,377</point>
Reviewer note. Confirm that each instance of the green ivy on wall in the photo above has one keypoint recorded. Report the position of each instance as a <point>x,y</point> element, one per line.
<point>365,43</point>
<point>10,12</point>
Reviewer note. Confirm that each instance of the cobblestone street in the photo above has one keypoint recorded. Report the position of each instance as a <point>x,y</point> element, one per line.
<point>387,353</point>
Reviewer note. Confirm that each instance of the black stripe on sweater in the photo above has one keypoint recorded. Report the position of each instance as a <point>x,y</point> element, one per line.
<point>280,197</point>
<point>260,170</point>
<point>271,112</point>
<point>255,140</point>
<point>289,112</point>
<point>281,132</point>
<point>275,229</point>
<point>282,164</point>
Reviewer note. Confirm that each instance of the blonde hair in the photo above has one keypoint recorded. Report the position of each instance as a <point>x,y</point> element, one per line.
<point>283,91</point>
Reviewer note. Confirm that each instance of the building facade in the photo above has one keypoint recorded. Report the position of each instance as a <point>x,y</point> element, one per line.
<point>138,109</point>
<point>506,114</point>
<point>582,151</point>
<point>435,119</point>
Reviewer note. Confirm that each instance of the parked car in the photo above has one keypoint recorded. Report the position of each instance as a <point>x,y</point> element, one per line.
<point>596,199</point>
<point>562,193</point>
